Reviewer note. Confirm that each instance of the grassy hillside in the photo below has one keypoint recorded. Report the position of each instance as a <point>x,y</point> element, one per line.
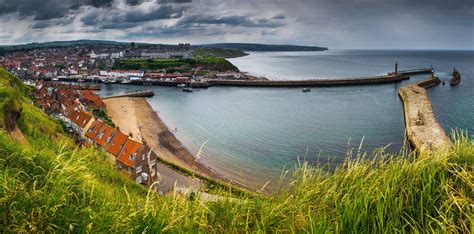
<point>180,65</point>
<point>47,184</point>
<point>218,52</point>
<point>264,47</point>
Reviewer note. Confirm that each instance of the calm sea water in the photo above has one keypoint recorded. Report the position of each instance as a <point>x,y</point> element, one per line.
<point>253,133</point>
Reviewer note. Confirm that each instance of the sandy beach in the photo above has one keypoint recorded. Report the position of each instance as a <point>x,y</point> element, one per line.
<point>151,130</point>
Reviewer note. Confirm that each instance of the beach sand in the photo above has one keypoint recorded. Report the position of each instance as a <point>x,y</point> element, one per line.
<point>135,115</point>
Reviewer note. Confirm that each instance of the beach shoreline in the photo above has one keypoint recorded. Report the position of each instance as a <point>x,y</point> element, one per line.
<point>136,116</point>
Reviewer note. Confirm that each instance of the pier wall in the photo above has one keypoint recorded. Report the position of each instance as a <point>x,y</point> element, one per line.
<point>311,83</point>
<point>146,93</point>
<point>422,129</point>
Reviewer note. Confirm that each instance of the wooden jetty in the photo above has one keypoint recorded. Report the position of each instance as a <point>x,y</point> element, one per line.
<point>144,93</point>
<point>422,129</point>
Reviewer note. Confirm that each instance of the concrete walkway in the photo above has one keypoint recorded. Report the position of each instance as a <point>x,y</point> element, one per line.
<point>423,130</point>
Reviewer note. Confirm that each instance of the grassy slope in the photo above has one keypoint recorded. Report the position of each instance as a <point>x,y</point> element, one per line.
<point>220,53</point>
<point>48,184</point>
<point>208,63</point>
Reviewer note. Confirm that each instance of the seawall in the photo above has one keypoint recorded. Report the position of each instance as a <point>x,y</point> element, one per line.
<point>422,129</point>
<point>144,93</point>
<point>311,83</point>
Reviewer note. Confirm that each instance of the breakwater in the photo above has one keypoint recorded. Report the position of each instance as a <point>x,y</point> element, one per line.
<point>412,72</point>
<point>422,129</point>
<point>311,83</point>
<point>144,93</point>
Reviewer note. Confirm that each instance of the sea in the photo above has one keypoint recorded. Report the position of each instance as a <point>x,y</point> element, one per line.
<point>257,135</point>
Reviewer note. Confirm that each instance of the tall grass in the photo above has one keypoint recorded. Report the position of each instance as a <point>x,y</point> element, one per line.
<point>49,184</point>
<point>64,189</point>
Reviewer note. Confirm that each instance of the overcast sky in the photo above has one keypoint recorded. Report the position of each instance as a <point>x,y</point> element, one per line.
<point>410,24</point>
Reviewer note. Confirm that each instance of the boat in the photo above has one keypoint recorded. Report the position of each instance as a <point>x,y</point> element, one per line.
<point>456,78</point>
<point>108,81</point>
<point>187,89</point>
<point>126,81</point>
<point>305,90</point>
<point>181,85</point>
<point>55,79</point>
<point>80,80</point>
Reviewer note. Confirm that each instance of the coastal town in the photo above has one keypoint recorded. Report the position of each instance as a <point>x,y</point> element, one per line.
<point>128,63</point>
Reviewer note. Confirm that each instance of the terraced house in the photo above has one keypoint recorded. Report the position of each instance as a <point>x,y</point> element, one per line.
<point>134,158</point>
<point>138,161</point>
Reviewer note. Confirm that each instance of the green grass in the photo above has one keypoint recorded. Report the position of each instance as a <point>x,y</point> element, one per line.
<point>179,65</point>
<point>12,93</point>
<point>49,184</point>
<point>217,52</point>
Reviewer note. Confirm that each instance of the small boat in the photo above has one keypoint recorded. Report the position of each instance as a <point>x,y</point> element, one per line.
<point>456,78</point>
<point>187,89</point>
<point>108,81</point>
<point>305,90</point>
<point>126,81</point>
<point>80,81</point>
<point>181,85</point>
<point>55,79</point>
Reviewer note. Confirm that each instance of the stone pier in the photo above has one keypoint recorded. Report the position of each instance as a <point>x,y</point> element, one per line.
<point>422,129</point>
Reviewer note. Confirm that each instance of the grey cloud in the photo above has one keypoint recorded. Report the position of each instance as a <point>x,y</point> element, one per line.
<point>133,2</point>
<point>332,23</point>
<point>279,17</point>
<point>161,12</point>
<point>47,9</point>
<point>41,24</point>
<point>138,2</point>
<point>229,20</point>
<point>132,18</point>
<point>174,1</point>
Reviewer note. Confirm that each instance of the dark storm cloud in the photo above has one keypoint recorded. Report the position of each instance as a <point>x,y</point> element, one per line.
<point>229,20</point>
<point>138,2</point>
<point>332,23</point>
<point>47,9</point>
<point>132,18</point>
<point>161,12</point>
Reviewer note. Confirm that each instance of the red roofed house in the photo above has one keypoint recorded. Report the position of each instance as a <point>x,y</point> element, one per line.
<point>138,161</point>
<point>104,136</point>
<point>81,122</point>
<point>93,131</point>
<point>92,100</point>
<point>117,143</point>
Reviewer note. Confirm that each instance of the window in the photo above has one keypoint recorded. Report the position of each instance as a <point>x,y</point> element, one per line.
<point>143,157</point>
<point>139,179</point>
<point>139,169</point>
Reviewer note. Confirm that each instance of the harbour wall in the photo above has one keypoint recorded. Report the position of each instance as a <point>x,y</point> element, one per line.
<point>422,129</point>
<point>145,93</point>
<point>311,83</point>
